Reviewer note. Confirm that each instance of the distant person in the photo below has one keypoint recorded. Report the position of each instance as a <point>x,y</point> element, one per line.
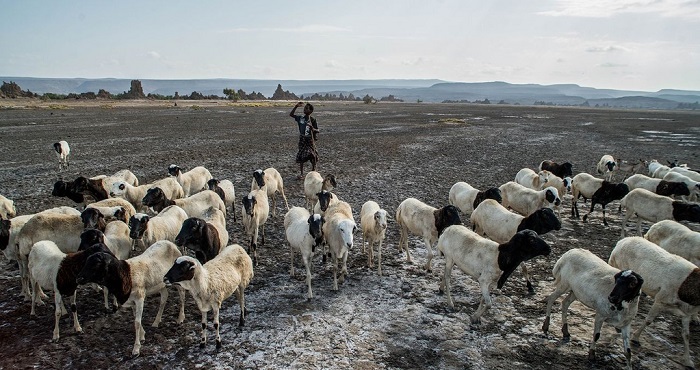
<point>308,129</point>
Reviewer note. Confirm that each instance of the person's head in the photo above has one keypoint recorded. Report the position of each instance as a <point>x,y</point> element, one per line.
<point>308,109</point>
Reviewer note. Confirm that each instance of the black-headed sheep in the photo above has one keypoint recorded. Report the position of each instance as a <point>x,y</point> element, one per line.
<point>426,221</point>
<point>563,170</point>
<point>654,208</point>
<point>226,191</point>
<point>206,236</point>
<point>254,214</point>
<point>611,293</point>
<point>484,260</point>
<point>271,180</point>
<point>499,224</point>
<point>467,198</point>
<point>672,281</point>
<point>314,183</point>
<point>304,233</point>
<point>192,181</point>
<point>62,150</point>
<point>132,280</point>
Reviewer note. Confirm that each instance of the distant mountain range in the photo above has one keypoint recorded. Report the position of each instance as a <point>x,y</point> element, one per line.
<point>429,90</point>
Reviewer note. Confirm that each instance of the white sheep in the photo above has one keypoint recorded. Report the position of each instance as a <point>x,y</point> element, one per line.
<point>525,200</point>
<point>7,208</point>
<point>132,280</point>
<point>62,152</point>
<point>304,233</point>
<point>163,226</point>
<point>653,166</point>
<point>314,183</point>
<point>195,205</point>
<point>192,181</point>
<point>49,268</point>
<point>373,221</point>
<point>10,229</point>
<point>226,191</point>
<point>338,230</point>
<point>693,175</point>
<point>563,185</point>
<point>606,166</point>
<point>423,220</point>
<point>499,224</point>
<point>654,208</point>
<point>254,214</point>
<point>661,171</point>
<point>271,180</point>
<point>62,229</point>
<point>134,194</point>
<point>110,208</point>
<point>205,235</point>
<point>693,185</point>
<point>531,179</point>
<point>676,238</point>
<point>467,198</point>
<point>210,284</point>
<point>640,181</point>
<point>672,281</point>
<point>611,293</point>
<point>484,260</point>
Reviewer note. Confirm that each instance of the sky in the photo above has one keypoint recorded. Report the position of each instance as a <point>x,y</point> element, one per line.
<point>642,45</point>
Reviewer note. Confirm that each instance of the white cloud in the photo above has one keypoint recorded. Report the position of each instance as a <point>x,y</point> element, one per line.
<point>605,49</point>
<point>307,28</point>
<point>609,8</point>
<point>612,65</point>
<point>154,54</point>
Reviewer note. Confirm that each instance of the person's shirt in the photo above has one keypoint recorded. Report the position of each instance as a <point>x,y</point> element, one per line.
<point>304,129</point>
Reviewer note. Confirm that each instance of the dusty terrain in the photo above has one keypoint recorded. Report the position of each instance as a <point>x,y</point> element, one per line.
<point>384,152</point>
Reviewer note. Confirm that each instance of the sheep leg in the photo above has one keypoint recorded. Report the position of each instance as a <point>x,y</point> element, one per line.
<point>291,262</point>
<point>35,293</point>
<point>485,303</point>
<point>335,271</point>
<point>379,257</point>
<point>639,226</point>
<point>550,301</point>
<point>344,271</point>
<point>273,198</point>
<point>262,227</point>
<point>307,264</point>
<point>138,328</point>
<point>74,310</point>
<point>623,233</point>
<point>181,314</point>
<point>605,221</point>
<point>57,314</point>
<point>598,324</point>
<point>530,288</point>
<point>685,321</point>
<point>241,302</point>
<point>564,313</point>
<point>445,283</point>
<point>403,243</point>
<point>203,339</point>
<point>216,309</point>
<point>163,299</point>
<point>626,344</point>
<point>593,203</point>
<point>285,198</point>
<point>430,254</point>
<point>105,294</point>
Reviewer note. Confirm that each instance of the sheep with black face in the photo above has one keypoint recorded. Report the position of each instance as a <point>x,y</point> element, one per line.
<point>205,236</point>
<point>254,214</point>
<point>611,293</point>
<point>304,233</point>
<point>270,180</point>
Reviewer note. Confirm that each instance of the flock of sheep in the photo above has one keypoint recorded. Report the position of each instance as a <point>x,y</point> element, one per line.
<point>62,248</point>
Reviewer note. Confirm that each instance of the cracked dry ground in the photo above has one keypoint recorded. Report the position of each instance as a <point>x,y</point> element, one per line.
<point>384,152</point>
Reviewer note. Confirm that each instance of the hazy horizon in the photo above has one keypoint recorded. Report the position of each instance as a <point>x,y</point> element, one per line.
<point>637,45</point>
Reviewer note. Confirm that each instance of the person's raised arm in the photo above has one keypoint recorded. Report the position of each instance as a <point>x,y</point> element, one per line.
<point>299,104</point>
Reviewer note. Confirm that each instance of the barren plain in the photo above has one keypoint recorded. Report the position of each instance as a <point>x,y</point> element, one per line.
<point>383,152</point>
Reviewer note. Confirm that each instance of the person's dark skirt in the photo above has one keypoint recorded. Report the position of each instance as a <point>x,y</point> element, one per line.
<point>307,150</point>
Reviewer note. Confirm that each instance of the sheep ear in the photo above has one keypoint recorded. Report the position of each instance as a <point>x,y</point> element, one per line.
<point>192,266</point>
<point>376,215</point>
